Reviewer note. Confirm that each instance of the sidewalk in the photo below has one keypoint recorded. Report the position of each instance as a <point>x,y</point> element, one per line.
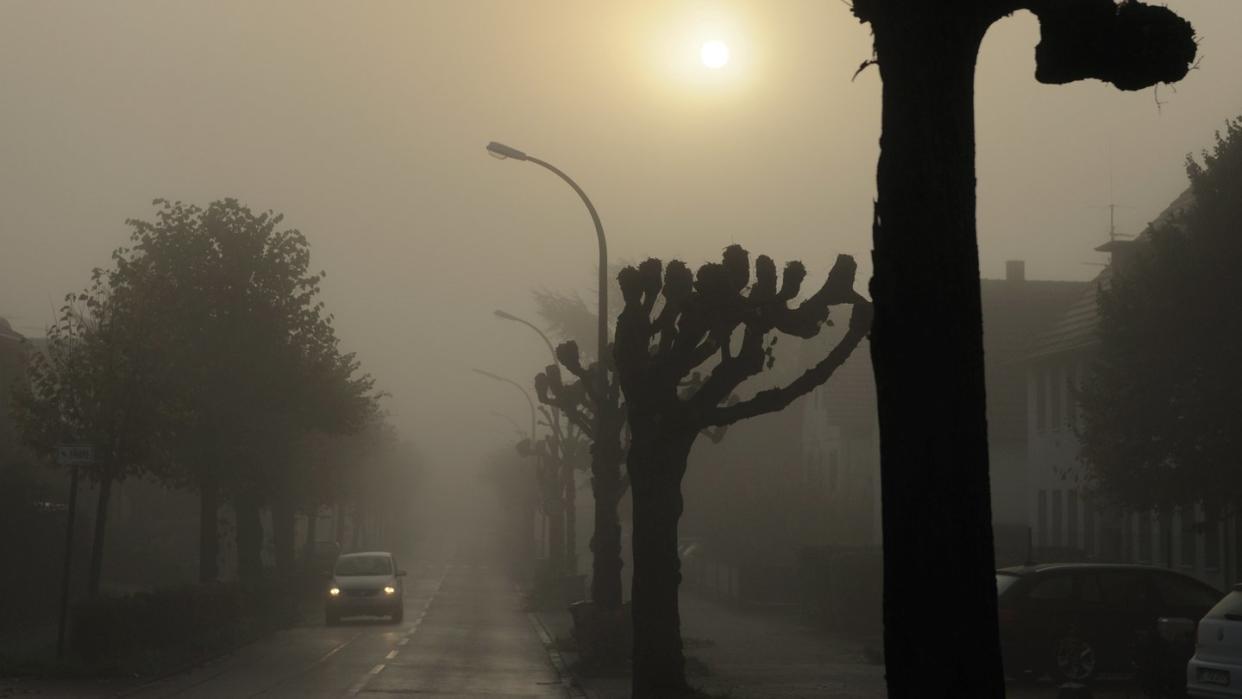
<point>752,654</point>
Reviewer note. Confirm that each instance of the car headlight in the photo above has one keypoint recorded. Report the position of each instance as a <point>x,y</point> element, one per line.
<point>334,591</point>
<point>390,590</point>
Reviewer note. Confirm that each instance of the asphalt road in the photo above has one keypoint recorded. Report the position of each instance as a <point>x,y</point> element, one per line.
<point>464,635</point>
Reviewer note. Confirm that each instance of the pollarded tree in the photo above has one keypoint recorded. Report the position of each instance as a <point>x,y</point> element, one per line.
<point>927,345</point>
<point>579,401</point>
<point>668,403</point>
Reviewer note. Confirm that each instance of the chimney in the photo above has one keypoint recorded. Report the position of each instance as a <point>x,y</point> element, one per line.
<point>1015,271</point>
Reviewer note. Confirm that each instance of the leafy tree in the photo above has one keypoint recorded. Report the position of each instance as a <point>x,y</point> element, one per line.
<point>252,358</point>
<point>1160,400</point>
<point>927,346</point>
<point>97,383</point>
<point>668,404</point>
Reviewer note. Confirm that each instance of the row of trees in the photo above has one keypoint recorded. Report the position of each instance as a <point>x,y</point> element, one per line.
<point>1160,401</point>
<point>203,358</point>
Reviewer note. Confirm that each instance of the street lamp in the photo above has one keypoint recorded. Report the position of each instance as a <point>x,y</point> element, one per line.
<point>571,518</point>
<point>509,316</point>
<point>503,152</point>
<point>526,394</point>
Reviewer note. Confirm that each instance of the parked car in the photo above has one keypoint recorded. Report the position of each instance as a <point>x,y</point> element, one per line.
<point>1076,620</point>
<point>1215,671</point>
<point>365,584</point>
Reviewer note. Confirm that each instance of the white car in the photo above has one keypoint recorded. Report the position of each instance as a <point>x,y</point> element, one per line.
<point>1215,671</point>
<point>365,584</point>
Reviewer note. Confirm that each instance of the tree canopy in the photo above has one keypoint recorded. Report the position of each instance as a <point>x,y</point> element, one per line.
<point>1159,403</point>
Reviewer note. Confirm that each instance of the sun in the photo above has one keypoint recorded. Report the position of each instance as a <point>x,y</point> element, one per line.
<point>715,54</point>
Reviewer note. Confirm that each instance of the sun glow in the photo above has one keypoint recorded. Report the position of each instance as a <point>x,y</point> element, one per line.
<point>714,54</point>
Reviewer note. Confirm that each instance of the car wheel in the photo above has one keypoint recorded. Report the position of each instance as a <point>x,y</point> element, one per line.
<point>1073,660</point>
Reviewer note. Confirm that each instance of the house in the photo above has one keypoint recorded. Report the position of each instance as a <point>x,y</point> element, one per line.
<point>840,432</point>
<point>1065,522</point>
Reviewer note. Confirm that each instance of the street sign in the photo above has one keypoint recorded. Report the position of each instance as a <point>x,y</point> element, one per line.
<point>75,454</point>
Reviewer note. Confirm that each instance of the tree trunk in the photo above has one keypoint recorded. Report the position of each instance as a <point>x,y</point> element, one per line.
<point>101,524</point>
<point>927,349</point>
<point>571,521</point>
<point>249,538</point>
<point>659,668</point>
<point>283,518</point>
<point>208,530</point>
<point>606,588</point>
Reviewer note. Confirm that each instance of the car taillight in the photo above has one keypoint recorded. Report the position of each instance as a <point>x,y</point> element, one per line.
<point>1007,617</point>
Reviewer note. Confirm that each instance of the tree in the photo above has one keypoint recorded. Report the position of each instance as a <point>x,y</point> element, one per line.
<point>668,403</point>
<point>1159,401</point>
<point>252,357</point>
<point>926,346</point>
<point>579,401</point>
<point>97,382</point>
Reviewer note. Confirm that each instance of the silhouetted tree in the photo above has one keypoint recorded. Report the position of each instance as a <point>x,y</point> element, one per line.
<point>252,357</point>
<point>1160,400</point>
<point>927,344</point>
<point>579,402</point>
<point>97,382</point>
<point>668,403</point>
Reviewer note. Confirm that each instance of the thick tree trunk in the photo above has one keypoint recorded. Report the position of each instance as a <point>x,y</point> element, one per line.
<point>283,517</point>
<point>208,530</point>
<point>249,538</point>
<point>606,588</point>
<point>101,525</point>
<point>927,349</point>
<point>607,488</point>
<point>659,662</point>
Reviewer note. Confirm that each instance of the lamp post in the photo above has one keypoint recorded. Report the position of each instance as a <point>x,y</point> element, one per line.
<point>556,539</point>
<point>571,486</point>
<point>503,152</point>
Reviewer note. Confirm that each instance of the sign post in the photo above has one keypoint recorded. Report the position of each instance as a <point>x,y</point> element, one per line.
<point>73,456</point>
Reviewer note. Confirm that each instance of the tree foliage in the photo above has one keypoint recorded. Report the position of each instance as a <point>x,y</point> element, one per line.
<point>1160,400</point>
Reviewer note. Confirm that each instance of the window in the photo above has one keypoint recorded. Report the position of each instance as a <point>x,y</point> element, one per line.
<point>1088,528</point>
<point>1057,380</point>
<point>1071,518</point>
<point>1144,537</point>
<point>1057,519</point>
<point>1041,400</point>
<point>1211,539</point>
<point>1177,591</point>
<point>1041,517</point>
<point>1054,588</point>
<point>1186,525</point>
<point>1124,589</point>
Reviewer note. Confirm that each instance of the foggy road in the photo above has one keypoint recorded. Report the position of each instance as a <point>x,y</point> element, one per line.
<point>464,635</point>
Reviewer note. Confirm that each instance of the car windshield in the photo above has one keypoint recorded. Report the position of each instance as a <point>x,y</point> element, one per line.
<point>364,565</point>
<point>1003,581</point>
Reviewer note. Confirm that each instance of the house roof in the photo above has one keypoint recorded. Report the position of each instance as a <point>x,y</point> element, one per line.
<point>1075,330</point>
<point>8,333</point>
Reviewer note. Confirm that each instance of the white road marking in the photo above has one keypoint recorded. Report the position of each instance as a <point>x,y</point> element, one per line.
<point>391,654</point>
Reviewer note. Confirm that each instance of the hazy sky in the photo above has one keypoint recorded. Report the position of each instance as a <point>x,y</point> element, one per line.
<point>364,122</point>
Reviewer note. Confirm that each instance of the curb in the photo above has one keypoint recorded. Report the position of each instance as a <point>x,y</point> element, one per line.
<point>570,682</point>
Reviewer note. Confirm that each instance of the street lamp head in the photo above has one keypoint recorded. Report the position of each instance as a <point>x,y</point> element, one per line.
<point>501,151</point>
<point>506,316</point>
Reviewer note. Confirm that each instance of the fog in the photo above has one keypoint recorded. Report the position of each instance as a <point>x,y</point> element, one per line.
<point>365,125</point>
